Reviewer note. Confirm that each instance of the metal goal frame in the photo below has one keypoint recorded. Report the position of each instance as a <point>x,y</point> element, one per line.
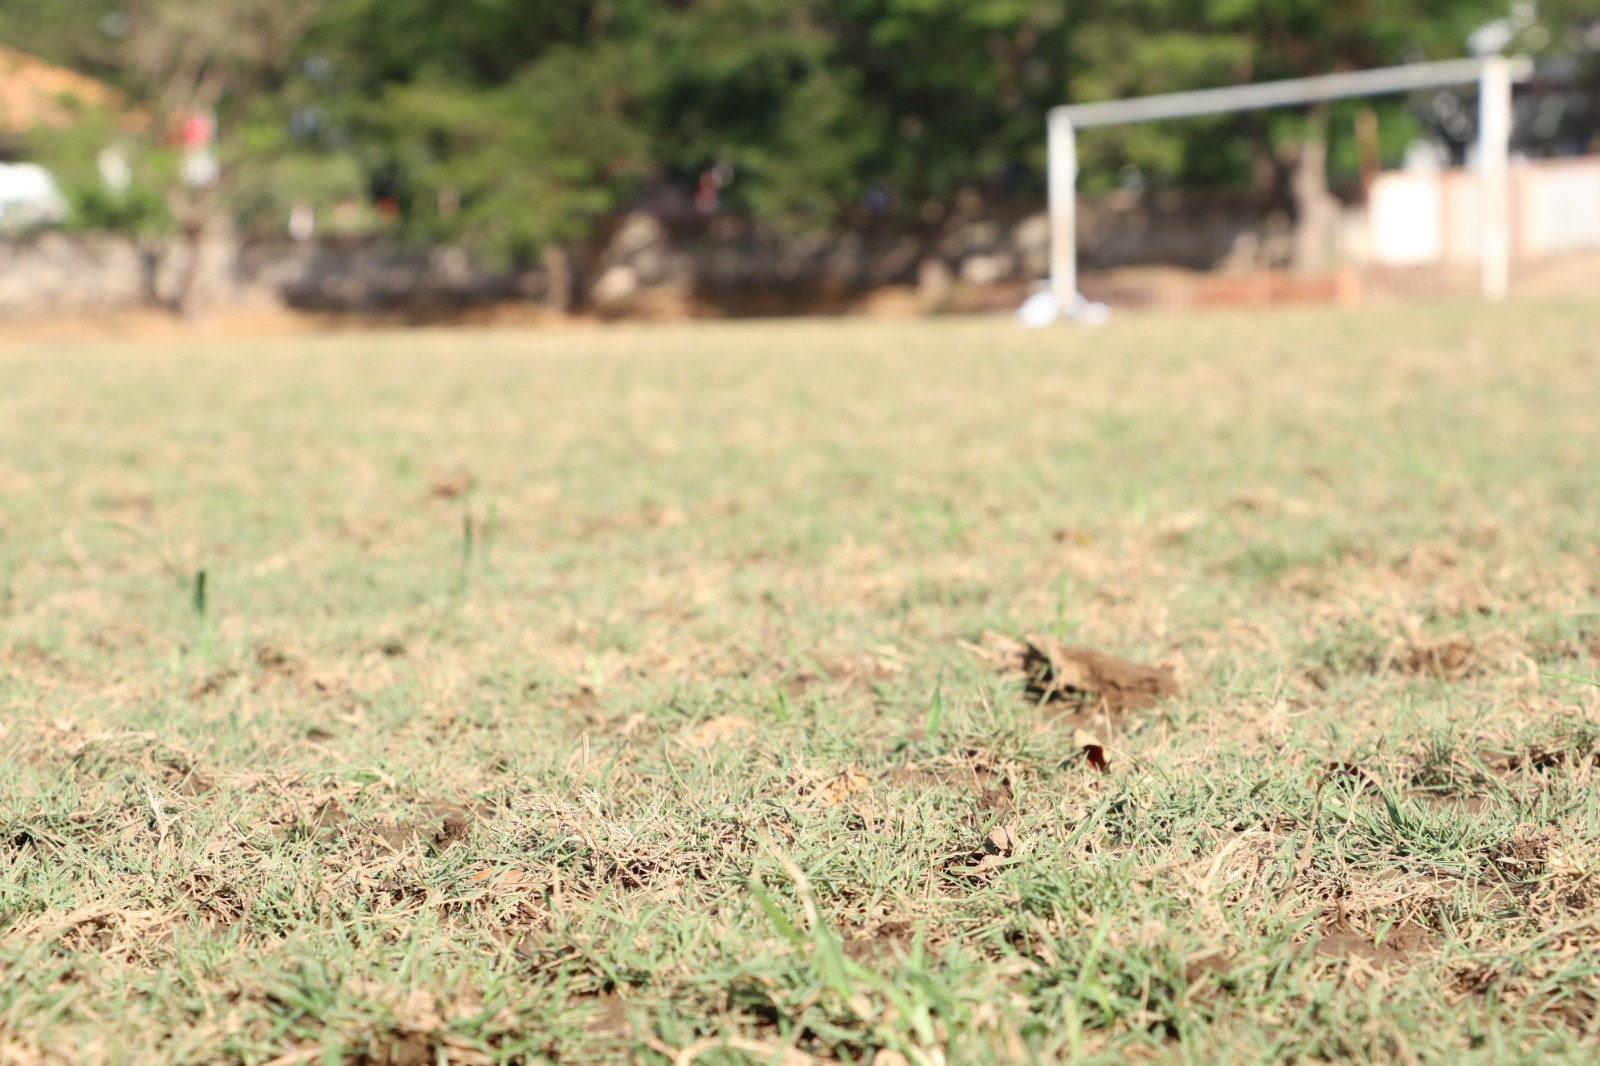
<point>1494,75</point>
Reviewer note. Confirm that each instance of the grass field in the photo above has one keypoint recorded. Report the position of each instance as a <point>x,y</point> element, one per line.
<point>619,694</point>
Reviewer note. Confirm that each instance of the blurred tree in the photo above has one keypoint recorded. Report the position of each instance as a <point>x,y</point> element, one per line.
<point>81,34</point>
<point>839,109</point>
<point>226,63</point>
<point>753,89</point>
<point>75,153</point>
<point>539,165</point>
<point>815,109</point>
<point>528,129</point>
<point>207,61</point>
<point>376,43</point>
<point>512,127</point>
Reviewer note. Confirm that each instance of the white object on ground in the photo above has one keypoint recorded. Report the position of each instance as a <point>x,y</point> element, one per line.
<point>114,170</point>
<point>29,197</point>
<point>1090,312</point>
<point>1040,309</point>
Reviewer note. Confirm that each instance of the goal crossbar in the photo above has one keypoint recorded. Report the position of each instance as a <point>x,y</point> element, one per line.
<point>1495,75</point>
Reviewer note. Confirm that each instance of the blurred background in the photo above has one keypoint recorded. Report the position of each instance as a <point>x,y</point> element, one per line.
<point>640,158</point>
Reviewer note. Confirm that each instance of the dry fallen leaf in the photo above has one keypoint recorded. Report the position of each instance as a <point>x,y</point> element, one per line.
<point>1056,672</point>
<point>1445,660</point>
<point>999,845</point>
<point>1002,840</point>
<point>1564,863</point>
<point>449,484</point>
<point>1344,769</point>
<point>505,880</point>
<point>842,788</point>
<point>726,727</point>
<point>1092,749</point>
<point>418,1012</point>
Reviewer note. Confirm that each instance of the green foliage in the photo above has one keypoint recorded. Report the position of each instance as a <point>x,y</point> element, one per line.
<point>263,194</point>
<point>508,168</point>
<point>70,155</point>
<point>511,126</point>
<point>752,84</point>
<point>138,210</point>
<point>73,33</point>
<point>931,105</point>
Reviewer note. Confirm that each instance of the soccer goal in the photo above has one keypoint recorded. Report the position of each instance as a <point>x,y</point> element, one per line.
<point>1494,75</point>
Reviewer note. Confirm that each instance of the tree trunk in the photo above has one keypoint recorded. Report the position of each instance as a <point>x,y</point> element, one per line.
<point>592,260</point>
<point>935,281</point>
<point>191,293</point>
<point>1315,208</point>
<point>152,251</point>
<point>557,265</point>
<point>196,212</point>
<point>1367,149</point>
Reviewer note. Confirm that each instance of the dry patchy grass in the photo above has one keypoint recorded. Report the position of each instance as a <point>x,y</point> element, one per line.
<point>633,693</point>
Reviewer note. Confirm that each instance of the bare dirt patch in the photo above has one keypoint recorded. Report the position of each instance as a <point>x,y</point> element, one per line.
<point>1398,946</point>
<point>1447,660</point>
<point>725,729</point>
<point>1079,678</point>
<point>883,941</point>
<point>990,786</point>
<point>450,484</point>
<point>610,1016</point>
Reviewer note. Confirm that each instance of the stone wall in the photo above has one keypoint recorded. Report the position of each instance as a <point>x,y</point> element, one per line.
<point>369,275</point>
<point>729,254</point>
<point>56,273</point>
<point>60,273</point>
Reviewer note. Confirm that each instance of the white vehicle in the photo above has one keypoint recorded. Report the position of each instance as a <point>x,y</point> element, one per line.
<point>29,197</point>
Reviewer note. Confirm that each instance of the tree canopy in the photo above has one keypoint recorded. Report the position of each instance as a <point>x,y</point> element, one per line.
<point>515,126</point>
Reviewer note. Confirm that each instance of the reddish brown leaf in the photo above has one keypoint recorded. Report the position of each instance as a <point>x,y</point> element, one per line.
<point>1093,750</point>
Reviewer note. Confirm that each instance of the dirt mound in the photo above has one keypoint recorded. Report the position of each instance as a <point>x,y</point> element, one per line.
<point>1061,673</point>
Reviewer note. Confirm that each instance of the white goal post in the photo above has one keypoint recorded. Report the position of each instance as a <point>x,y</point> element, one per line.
<point>1494,75</point>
